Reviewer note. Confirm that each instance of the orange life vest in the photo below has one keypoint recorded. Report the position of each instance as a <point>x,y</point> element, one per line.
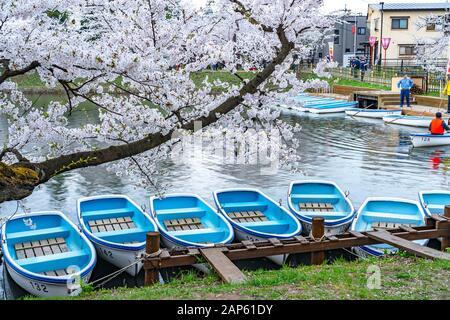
<point>436,126</point>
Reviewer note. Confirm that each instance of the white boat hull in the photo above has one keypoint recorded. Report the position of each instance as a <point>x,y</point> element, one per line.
<point>46,289</point>
<point>329,110</point>
<point>421,123</point>
<point>421,141</point>
<point>376,113</point>
<point>241,236</point>
<point>329,231</point>
<point>121,258</point>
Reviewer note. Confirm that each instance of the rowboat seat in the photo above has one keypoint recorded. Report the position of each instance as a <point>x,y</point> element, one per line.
<point>53,262</point>
<point>42,234</point>
<point>389,225</point>
<point>375,216</point>
<point>118,212</point>
<point>315,196</point>
<point>274,226</point>
<point>192,210</point>
<point>242,206</point>
<point>247,216</point>
<point>112,224</point>
<point>56,273</point>
<point>183,224</point>
<point>316,207</point>
<point>39,248</point>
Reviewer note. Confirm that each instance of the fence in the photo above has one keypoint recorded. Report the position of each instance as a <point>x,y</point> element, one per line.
<point>382,76</point>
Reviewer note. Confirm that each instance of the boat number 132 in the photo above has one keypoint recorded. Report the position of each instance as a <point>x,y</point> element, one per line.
<point>39,287</point>
<point>425,139</point>
<point>107,253</point>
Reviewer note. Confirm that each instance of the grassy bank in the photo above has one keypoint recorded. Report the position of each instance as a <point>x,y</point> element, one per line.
<point>401,278</point>
<point>32,81</point>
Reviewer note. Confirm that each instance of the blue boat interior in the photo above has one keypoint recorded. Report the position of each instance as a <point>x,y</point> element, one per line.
<point>46,244</point>
<point>276,220</point>
<point>335,105</point>
<point>190,219</point>
<point>318,199</point>
<point>115,220</point>
<point>435,202</point>
<point>395,213</point>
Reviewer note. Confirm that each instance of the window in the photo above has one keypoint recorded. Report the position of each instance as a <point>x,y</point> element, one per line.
<point>347,50</point>
<point>336,36</point>
<point>406,50</point>
<point>400,23</point>
<point>376,23</point>
<point>431,26</point>
<point>361,31</point>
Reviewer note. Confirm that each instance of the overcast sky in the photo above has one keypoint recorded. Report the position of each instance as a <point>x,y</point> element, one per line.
<point>358,6</point>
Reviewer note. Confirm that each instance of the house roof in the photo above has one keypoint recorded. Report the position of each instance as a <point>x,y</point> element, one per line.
<point>412,6</point>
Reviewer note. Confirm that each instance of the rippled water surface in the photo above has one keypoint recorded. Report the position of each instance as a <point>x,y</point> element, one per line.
<point>364,156</point>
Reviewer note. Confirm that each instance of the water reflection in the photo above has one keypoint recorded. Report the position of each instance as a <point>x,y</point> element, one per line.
<point>364,156</point>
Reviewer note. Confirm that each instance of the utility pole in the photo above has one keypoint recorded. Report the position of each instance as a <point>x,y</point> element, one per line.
<point>381,34</point>
<point>356,32</point>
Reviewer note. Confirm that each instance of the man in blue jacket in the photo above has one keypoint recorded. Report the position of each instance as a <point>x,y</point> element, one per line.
<point>405,86</point>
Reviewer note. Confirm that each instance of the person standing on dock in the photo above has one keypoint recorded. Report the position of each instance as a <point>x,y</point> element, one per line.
<point>447,92</point>
<point>405,86</point>
<point>438,126</point>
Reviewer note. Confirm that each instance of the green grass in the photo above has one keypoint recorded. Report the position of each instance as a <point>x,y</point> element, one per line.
<point>29,81</point>
<point>32,80</point>
<point>355,83</point>
<point>401,278</point>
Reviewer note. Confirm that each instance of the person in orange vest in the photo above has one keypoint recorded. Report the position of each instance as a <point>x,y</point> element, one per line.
<point>438,126</point>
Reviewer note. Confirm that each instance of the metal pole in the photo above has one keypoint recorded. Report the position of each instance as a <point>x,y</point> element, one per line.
<point>381,33</point>
<point>356,31</point>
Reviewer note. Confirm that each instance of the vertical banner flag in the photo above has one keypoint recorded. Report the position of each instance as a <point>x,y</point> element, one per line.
<point>331,50</point>
<point>353,29</point>
<point>385,42</point>
<point>372,41</point>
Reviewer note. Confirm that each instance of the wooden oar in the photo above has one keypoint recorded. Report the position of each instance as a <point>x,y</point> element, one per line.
<point>389,122</point>
<point>361,110</point>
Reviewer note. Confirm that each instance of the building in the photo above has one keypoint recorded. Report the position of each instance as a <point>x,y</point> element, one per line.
<point>349,38</point>
<point>404,24</point>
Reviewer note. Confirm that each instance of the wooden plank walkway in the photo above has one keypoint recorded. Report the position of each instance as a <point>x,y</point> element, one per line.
<point>220,257</point>
<point>411,247</point>
<point>226,269</point>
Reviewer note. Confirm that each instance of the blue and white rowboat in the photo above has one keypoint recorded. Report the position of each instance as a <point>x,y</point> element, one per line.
<point>333,108</point>
<point>434,201</point>
<point>412,121</point>
<point>117,226</point>
<point>254,216</point>
<point>421,140</point>
<point>46,254</point>
<point>187,220</point>
<point>372,113</point>
<point>386,213</point>
<point>318,198</point>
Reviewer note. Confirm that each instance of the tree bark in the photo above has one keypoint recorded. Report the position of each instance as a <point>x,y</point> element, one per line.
<point>16,190</point>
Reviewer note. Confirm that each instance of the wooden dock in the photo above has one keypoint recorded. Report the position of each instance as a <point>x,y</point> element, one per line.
<point>221,257</point>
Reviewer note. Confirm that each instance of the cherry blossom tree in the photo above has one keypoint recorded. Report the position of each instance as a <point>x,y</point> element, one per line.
<point>432,50</point>
<point>133,60</point>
